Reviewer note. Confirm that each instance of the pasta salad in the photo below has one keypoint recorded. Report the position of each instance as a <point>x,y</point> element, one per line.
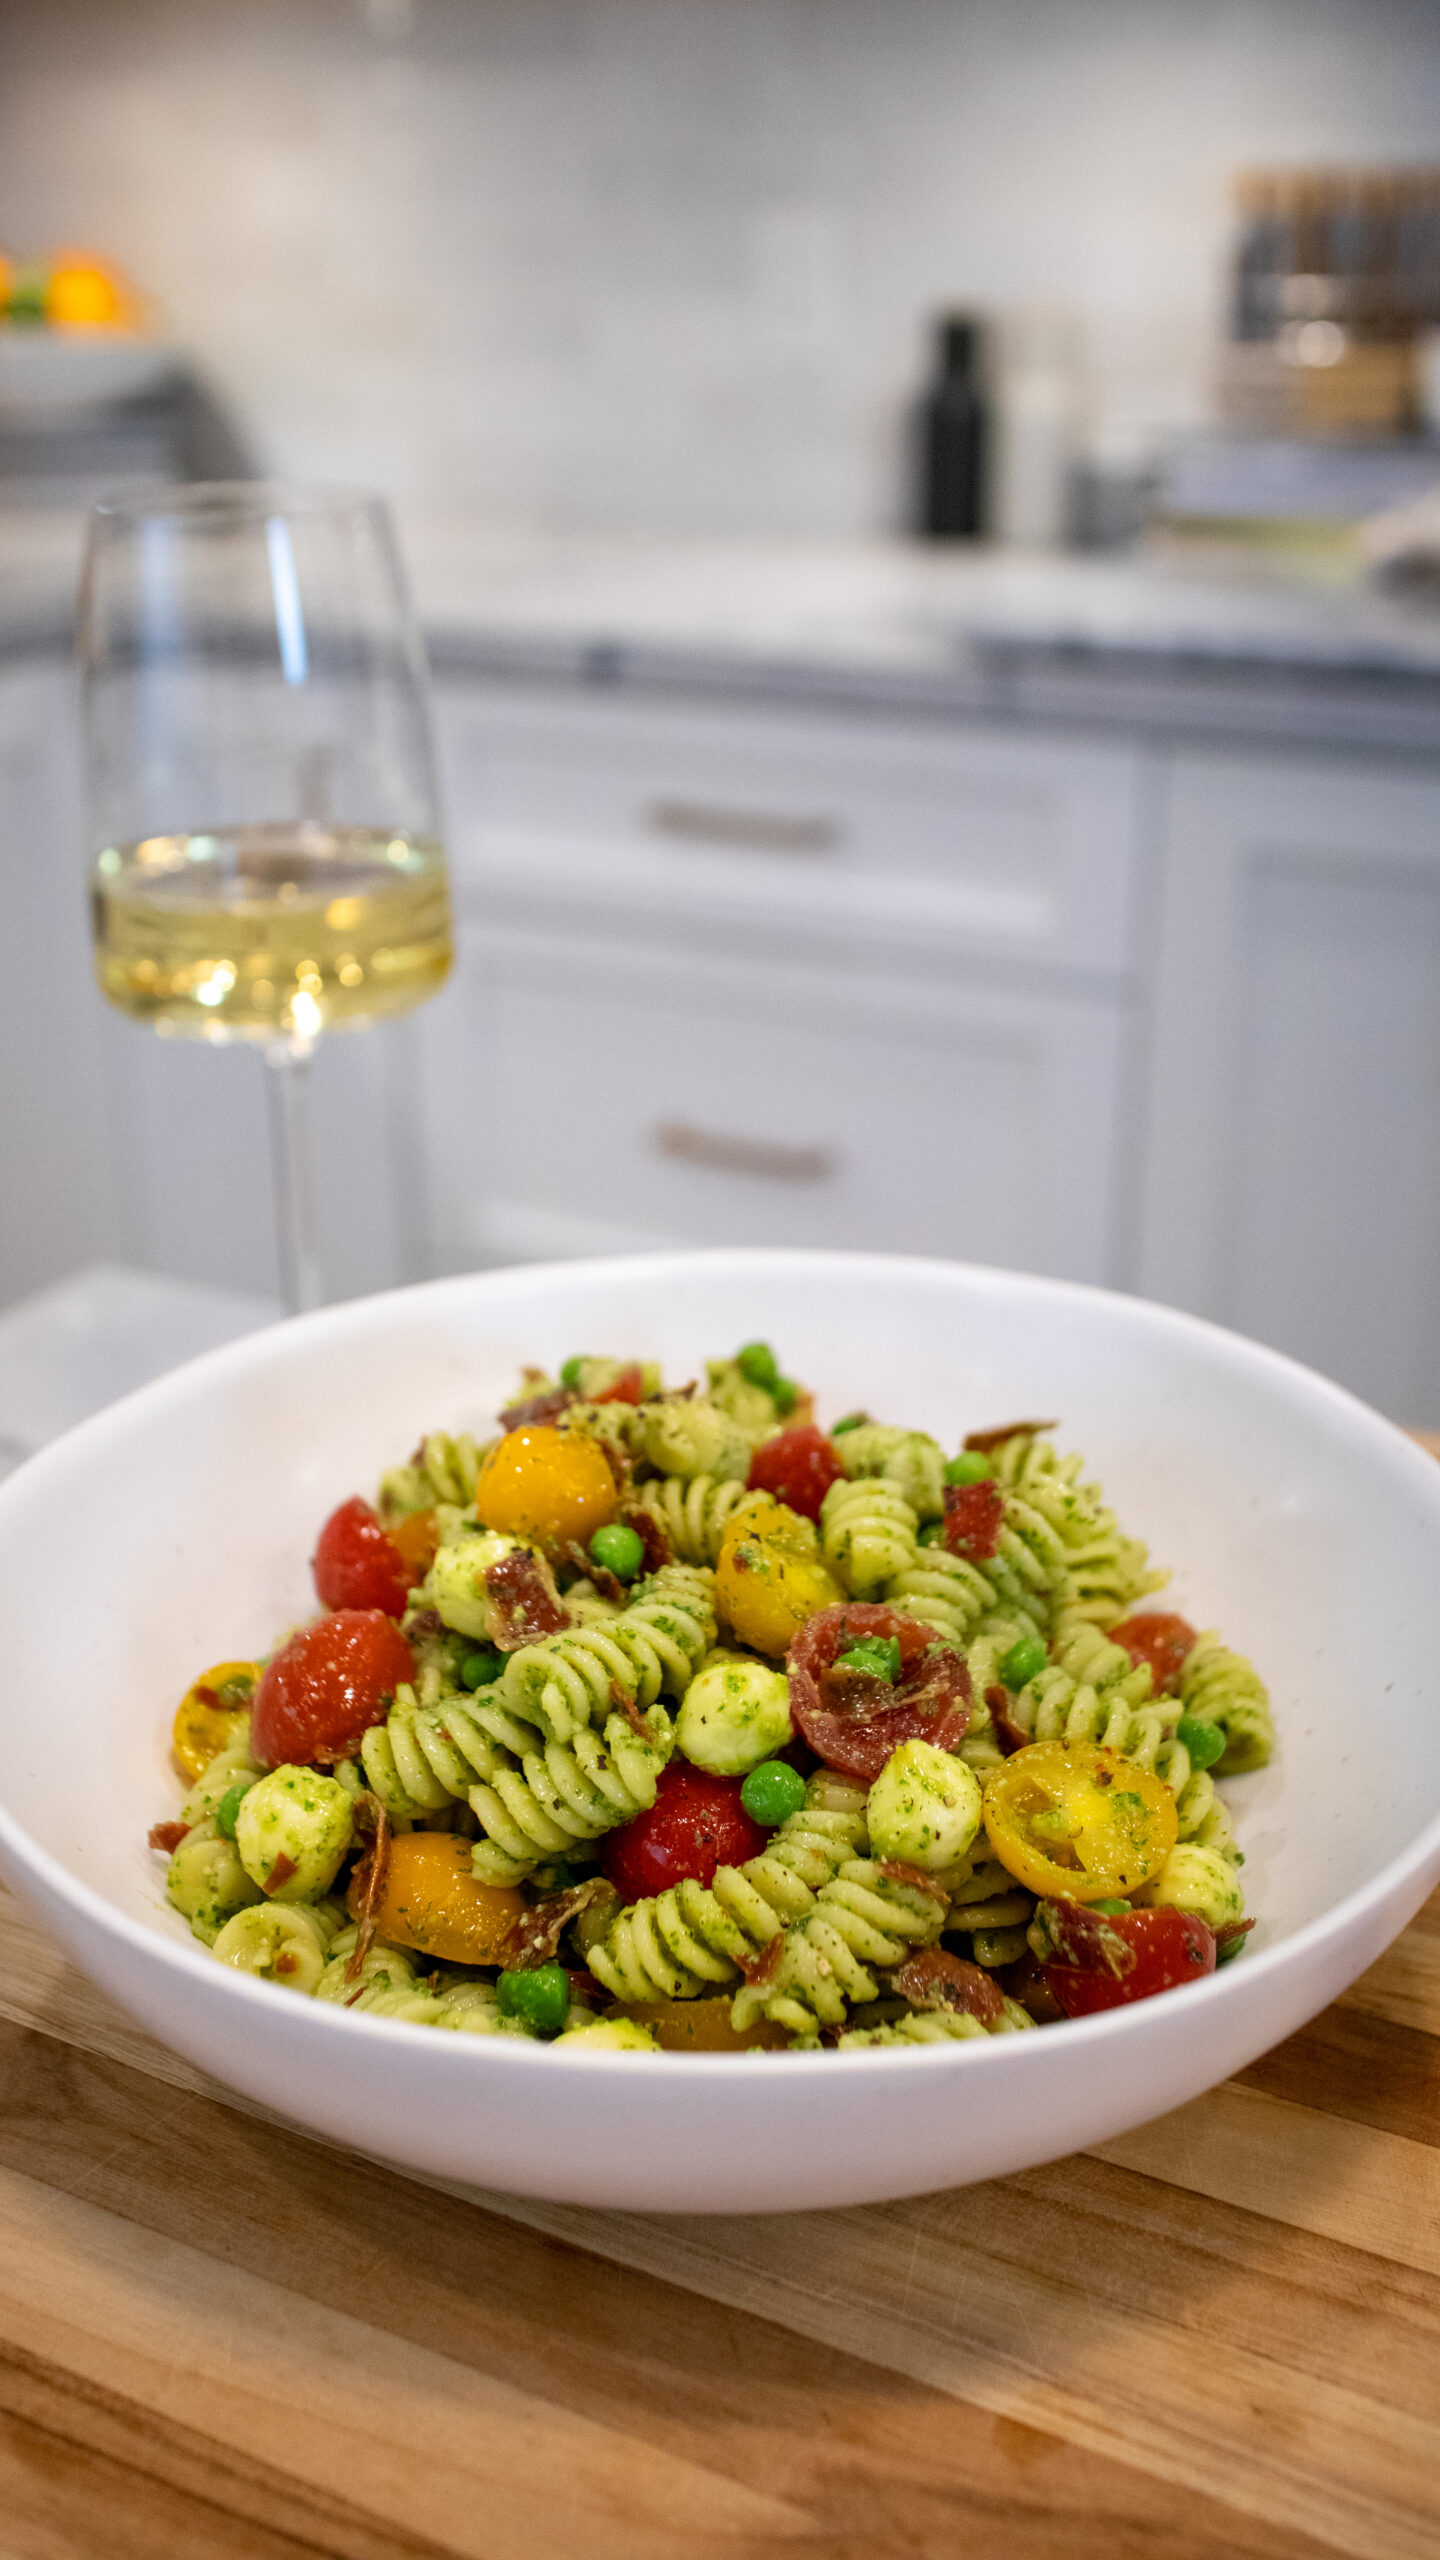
<point>667,1719</point>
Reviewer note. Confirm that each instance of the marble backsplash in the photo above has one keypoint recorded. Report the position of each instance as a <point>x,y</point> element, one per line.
<point>665,264</point>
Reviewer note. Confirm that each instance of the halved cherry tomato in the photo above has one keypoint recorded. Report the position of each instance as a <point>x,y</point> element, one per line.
<point>798,1467</point>
<point>696,1824</point>
<point>357,1564</point>
<point>1103,1960</point>
<point>974,1518</point>
<point>431,1898</point>
<point>703,2026</point>
<point>1077,1822</point>
<point>854,1723</point>
<point>324,1689</point>
<point>213,1714</point>
<point>628,1388</point>
<point>543,1483</point>
<point>1158,1637</point>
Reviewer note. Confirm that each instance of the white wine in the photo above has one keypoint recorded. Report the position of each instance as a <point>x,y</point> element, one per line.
<point>254,933</point>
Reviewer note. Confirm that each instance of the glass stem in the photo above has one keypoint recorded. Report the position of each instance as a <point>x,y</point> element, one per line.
<point>287,1071</point>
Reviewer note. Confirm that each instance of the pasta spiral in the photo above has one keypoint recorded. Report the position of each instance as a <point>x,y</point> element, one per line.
<point>558,1793</point>
<point>935,2026</point>
<point>569,1681</point>
<point>1026,1573</point>
<point>867,1532</point>
<point>443,1469</point>
<point>1225,1689</point>
<point>1091,1692</point>
<point>678,1943</point>
<point>422,1758</point>
<point>693,1515</point>
<point>1105,1572</point>
<point>861,1918</point>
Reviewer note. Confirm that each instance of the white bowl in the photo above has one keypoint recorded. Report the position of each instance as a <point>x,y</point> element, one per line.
<point>174,1530</point>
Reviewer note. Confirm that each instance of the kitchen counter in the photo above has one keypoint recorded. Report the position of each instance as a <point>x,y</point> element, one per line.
<point>1126,643</point>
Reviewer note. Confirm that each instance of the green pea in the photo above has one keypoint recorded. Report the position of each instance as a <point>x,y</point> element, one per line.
<point>480,1668</point>
<point>1113,1910</point>
<point>847,1422</point>
<point>757,1363</point>
<point>570,1372</point>
<point>1022,1662</point>
<point>971,1467</point>
<point>229,1805</point>
<point>772,1792</point>
<point>879,1655</point>
<point>618,1549</point>
<point>932,1535</point>
<point>786,1395</point>
<point>539,1997</point>
<point>1205,1742</point>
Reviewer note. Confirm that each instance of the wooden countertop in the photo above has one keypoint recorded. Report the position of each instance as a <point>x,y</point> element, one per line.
<point>1215,2339</point>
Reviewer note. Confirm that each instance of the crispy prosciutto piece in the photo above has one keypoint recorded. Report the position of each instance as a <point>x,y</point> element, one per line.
<point>535,1937</point>
<point>542,1408</point>
<point>974,1518</point>
<point>937,1980</point>
<point>1010,1735</point>
<point>853,1722</point>
<point>650,1534</point>
<point>167,1836</point>
<point>523,1603</point>
<point>1162,1639</point>
<point>1000,1432</point>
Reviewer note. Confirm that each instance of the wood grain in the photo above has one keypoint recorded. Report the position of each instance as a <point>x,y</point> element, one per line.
<point>1218,2336</point>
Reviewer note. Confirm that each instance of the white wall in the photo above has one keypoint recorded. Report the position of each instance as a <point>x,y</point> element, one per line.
<point>665,262</point>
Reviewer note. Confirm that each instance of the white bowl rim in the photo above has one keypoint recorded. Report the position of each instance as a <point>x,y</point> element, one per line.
<point>506,2053</point>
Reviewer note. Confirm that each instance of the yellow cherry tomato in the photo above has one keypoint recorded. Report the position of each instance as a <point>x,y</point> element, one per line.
<point>213,1715</point>
<point>433,1900</point>
<point>1079,1822</point>
<point>552,1486</point>
<point>771,1576</point>
<point>703,2026</point>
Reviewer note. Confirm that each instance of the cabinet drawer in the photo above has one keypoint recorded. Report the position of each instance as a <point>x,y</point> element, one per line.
<point>584,1101</point>
<point>924,838</point>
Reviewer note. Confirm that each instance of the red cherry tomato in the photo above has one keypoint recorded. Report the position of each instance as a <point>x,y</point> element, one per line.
<point>798,1467</point>
<point>629,1387</point>
<point>696,1824</point>
<point>357,1564</point>
<point>327,1686</point>
<point>1158,1637</point>
<point>1103,1960</point>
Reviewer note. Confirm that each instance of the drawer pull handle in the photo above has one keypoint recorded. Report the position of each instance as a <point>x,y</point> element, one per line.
<point>760,1159</point>
<point>743,830</point>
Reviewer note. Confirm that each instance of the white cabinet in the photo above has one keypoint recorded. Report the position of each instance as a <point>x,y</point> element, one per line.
<point>768,978</point>
<point>1292,1144</point>
<point>595,1100</point>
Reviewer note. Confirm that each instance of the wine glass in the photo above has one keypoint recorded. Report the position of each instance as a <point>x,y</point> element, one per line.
<point>264,838</point>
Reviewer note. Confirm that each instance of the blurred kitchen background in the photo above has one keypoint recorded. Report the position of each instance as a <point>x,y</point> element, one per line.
<point>926,516</point>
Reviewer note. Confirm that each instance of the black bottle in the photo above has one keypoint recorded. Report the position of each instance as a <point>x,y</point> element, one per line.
<point>954,435</point>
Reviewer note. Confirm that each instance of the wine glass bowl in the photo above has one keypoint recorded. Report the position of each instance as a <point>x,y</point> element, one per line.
<point>265,853</point>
